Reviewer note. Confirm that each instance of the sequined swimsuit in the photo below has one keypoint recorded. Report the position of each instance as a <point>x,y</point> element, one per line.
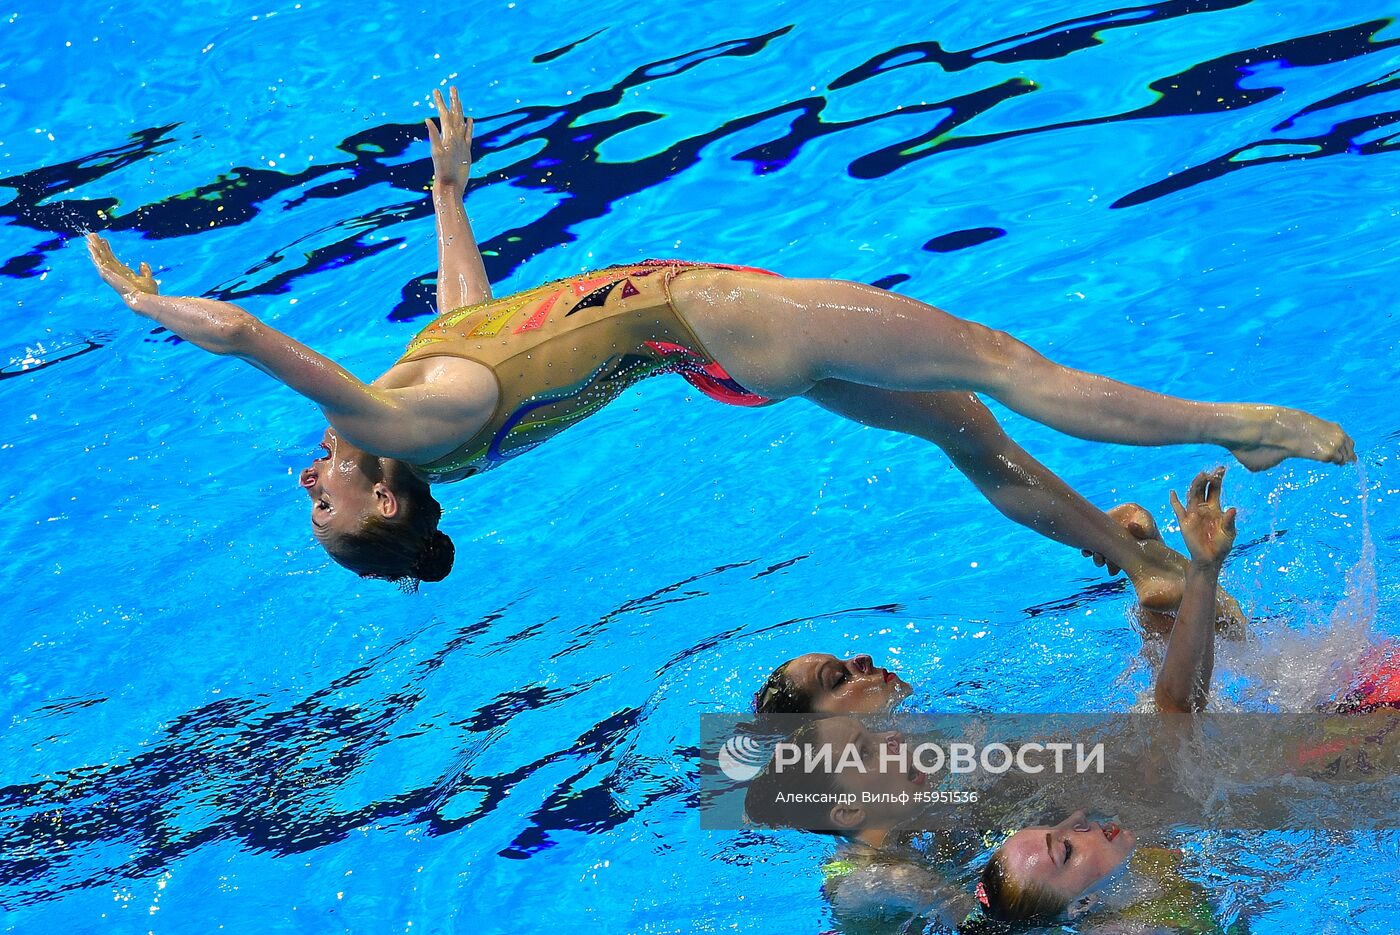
<point>562,351</point>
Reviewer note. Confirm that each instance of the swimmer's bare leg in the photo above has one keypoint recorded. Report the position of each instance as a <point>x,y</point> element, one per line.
<point>1018,485</point>
<point>779,336</point>
<point>461,274</point>
<point>1158,619</point>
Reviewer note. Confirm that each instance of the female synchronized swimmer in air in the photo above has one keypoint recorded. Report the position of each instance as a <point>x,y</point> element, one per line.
<point>490,379</point>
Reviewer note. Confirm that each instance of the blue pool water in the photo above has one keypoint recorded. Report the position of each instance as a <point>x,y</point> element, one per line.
<point>207,726</point>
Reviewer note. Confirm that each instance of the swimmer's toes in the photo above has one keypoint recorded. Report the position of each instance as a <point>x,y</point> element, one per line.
<point>1336,443</point>
<point>1348,449</point>
<point>1291,433</point>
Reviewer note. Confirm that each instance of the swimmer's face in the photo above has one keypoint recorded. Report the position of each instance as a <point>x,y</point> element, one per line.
<point>846,686</point>
<point>889,773</point>
<point>341,492</point>
<point>1067,858</point>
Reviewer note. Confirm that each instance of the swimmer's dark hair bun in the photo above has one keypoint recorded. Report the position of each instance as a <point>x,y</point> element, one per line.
<point>435,559</point>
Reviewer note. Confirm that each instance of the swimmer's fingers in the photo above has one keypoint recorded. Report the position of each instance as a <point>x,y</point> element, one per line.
<point>451,140</point>
<point>111,269</point>
<point>1183,519</point>
<point>99,250</point>
<point>436,135</point>
<point>1200,489</point>
<point>117,274</point>
<point>450,112</point>
<point>1215,481</point>
<point>463,122</point>
<point>1100,561</point>
<point>1209,533</point>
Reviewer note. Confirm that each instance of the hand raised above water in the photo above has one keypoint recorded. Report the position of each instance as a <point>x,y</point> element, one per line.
<point>1209,531</point>
<point>452,144</point>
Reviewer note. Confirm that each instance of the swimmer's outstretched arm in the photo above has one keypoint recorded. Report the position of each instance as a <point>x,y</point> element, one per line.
<point>409,423</point>
<point>1183,684</point>
<point>461,274</point>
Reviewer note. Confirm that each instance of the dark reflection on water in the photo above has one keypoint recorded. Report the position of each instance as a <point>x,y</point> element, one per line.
<point>270,778</point>
<point>1049,42</point>
<point>568,163</point>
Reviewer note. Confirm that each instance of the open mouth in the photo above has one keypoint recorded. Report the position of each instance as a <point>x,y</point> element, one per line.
<point>889,676</point>
<point>1110,830</point>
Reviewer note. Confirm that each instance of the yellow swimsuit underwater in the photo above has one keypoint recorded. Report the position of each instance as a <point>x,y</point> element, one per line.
<point>562,351</point>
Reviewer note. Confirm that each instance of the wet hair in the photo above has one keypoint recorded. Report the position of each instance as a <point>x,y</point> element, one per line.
<point>407,548</point>
<point>809,793</point>
<point>1010,900</point>
<point>781,695</point>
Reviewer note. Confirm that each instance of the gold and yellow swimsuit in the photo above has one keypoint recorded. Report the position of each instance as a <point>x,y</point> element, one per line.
<point>1182,906</point>
<point>562,351</point>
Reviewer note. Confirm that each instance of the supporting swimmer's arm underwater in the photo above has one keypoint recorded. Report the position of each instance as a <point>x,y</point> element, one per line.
<point>461,274</point>
<point>1183,684</point>
<point>423,420</point>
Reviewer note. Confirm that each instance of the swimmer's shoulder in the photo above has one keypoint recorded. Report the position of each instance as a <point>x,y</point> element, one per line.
<point>862,882</point>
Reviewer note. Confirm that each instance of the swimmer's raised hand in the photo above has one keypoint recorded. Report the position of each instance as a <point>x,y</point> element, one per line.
<point>452,144</point>
<point>218,327</point>
<point>1209,531</point>
<point>125,280</point>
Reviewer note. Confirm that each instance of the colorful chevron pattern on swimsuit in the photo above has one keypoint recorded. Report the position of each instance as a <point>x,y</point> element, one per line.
<point>562,351</point>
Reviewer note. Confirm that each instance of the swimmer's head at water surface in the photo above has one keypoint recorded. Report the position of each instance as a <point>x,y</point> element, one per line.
<point>1038,872</point>
<point>867,802</point>
<point>820,683</point>
<point>374,516</point>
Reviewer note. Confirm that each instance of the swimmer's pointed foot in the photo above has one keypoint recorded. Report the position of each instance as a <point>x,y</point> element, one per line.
<point>1162,581</point>
<point>1281,433</point>
<point>1160,575</point>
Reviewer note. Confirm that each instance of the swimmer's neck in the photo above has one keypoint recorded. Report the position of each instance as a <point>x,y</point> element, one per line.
<point>873,837</point>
